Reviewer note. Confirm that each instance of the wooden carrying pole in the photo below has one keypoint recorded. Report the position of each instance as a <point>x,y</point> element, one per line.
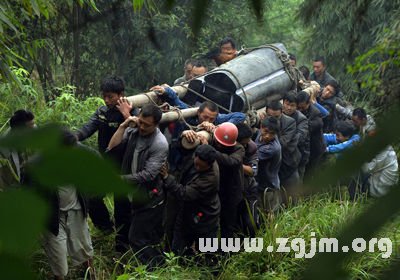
<point>141,99</point>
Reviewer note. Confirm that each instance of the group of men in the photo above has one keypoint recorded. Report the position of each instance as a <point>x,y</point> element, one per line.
<point>220,181</point>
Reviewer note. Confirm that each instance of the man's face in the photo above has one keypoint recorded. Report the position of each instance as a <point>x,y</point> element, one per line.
<point>30,124</point>
<point>289,108</point>
<point>292,62</point>
<point>200,164</point>
<point>188,71</point>
<point>328,92</point>
<point>146,125</point>
<point>318,67</point>
<point>358,122</point>
<point>274,113</point>
<point>197,71</point>
<point>340,138</point>
<point>267,135</point>
<point>207,116</point>
<point>227,53</point>
<point>303,106</point>
<point>111,98</point>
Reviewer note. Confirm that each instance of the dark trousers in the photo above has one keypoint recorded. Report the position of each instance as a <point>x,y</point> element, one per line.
<point>145,235</point>
<point>123,217</point>
<point>358,186</point>
<point>229,218</point>
<point>248,215</point>
<point>122,213</point>
<point>172,208</point>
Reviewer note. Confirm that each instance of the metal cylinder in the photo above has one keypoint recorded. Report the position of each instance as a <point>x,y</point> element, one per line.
<point>250,80</point>
<point>191,145</point>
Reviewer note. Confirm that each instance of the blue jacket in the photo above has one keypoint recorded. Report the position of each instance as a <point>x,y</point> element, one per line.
<point>334,147</point>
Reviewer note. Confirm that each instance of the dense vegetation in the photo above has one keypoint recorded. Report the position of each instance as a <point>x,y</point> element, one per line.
<point>54,54</point>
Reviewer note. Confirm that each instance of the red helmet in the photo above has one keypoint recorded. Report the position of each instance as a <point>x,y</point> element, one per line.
<point>226,134</point>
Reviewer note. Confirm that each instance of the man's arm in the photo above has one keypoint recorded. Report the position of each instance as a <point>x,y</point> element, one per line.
<point>234,159</point>
<point>343,146</point>
<point>288,134</point>
<point>188,192</point>
<point>90,127</point>
<point>236,117</point>
<point>116,139</point>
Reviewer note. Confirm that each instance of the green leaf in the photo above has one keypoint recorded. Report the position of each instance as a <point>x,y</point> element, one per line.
<point>35,7</point>
<point>22,218</point>
<point>81,168</point>
<point>13,267</point>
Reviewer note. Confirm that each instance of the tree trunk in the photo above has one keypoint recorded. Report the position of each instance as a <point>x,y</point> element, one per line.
<point>76,14</point>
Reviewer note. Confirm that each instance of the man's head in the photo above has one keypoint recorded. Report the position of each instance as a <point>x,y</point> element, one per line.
<point>305,71</point>
<point>274,109</point>
<point>204,157</point>
<point>331,89</point>
<point>199,68</point>
<point>22,119</point>
<point>344,130</point>
<point>303,101</point>
<point>149,117</point>
<point>319,65</point>
<point>289,103</point>
<point>208,112</point>
<point>188,67</point>
<point>112,88</point>
<point>68,138</point>
<point>292,59</point>
<point>227,48</point>
<point>244,134</point>
<point>359,117</point>
<point>269,129</point>
<point>225,136</point>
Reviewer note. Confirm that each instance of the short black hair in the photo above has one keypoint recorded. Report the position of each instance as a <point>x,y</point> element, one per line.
<point>227,40</point>
<point>275,105</point>
<point>191,61</point>
<point>360,113</point>
<point>209,105</point>
<point>290,96</point>
<point>212,54</point>
<point>151,110</point>
<point>244,131</point>
<point>20,118</point>
<point>319,58</point>
<point>271,124</point>
<point>200,63</point>
<point>334,84</point>
<point>302,97</point>
<point>305,71</point>
<point>346,128</point>
<point>206,153</point>
<point>292,57</point>
<point>113,84</point>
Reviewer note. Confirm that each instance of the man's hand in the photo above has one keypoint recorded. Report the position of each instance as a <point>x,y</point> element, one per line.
<point>124,107</point>
<point>160,90</point>
<point>203,139</point>
<point>207,126</point>
<point>190,135</point>
<point>130,119</point>
<point>164,171</point>
<point>262,115</point>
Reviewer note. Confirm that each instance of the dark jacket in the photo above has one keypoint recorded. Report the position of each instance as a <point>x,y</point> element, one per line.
<point>269,163</point>
<point>201,205</point>
<point>288,139</point>
<point>330,120</point>
<point>106,121</point>
<point>303,135</point>
<point>231,173</point>
<point>250,159</point>
<point>149,161</point>
<point>315,125</point>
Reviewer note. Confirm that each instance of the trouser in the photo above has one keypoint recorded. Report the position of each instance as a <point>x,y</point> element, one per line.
<point>145,234</point>
<point>99,214</point>
<point>229,218</point>
<point>290,187</point>
<point>248,214</point>
<point>123,217</point>
<point>270,199</point>
<point>172,208</point>
<point>358,185</point>
<point>73,240</point>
